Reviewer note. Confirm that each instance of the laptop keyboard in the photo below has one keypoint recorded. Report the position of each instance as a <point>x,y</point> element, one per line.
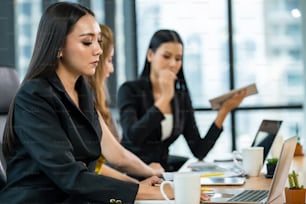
<point>250,196</point>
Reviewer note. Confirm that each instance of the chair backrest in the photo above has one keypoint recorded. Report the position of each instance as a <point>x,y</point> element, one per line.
<point>9,83</point>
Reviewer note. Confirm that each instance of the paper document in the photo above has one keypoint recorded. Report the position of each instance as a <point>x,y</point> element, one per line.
<point>217,102</point>
<point>206,167</point>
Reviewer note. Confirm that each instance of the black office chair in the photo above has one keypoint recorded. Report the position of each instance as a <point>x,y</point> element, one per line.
<point>9,83</point>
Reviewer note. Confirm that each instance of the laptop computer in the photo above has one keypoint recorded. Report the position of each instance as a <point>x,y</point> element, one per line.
<point>262,196</point>
<point>264,137</point>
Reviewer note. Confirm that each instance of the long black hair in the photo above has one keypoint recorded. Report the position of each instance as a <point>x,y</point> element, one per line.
<point>160,37</point>
<point>55,24</point>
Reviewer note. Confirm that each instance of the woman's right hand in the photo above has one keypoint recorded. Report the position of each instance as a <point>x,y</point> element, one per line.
<point>149,189</point>
<point>166,83</point>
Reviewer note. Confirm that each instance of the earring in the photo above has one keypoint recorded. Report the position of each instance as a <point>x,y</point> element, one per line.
<point>59,54</point>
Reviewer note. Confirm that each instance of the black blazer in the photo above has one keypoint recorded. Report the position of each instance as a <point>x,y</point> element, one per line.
<point>141,123</point>
<point>56,145</point>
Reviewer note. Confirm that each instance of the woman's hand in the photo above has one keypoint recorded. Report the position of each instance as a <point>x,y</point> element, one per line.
<point>157,169</point>
<point>204,196</point>
<point>149,189</point>
<point>165,91</point>
<point>166,84</point>
<point>152,181</point>
<point>234,101</point>
<point>228,106</point>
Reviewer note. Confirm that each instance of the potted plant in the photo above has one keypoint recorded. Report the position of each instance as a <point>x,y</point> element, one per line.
<point>298,149</point>
<point>271,165</point>
<point>295,194</point>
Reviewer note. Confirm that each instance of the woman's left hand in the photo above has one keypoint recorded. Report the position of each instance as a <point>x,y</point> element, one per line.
<point>152,181</point>
<point>228,106</point>
<point>234,101</point>
<point>157,169</point>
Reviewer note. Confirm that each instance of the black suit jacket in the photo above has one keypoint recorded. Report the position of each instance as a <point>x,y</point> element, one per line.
<point>141,123</point>
<point>56,145</point>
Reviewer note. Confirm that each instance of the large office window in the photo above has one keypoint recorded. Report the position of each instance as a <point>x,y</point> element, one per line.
<point>228,44</point>
<point>268,50</point>
<point>252,42</point>
<point>27,16</point>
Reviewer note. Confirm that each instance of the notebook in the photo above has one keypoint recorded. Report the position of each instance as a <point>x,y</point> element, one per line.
<point>262,196</point>
<point>217,102</point>
<point>223,181</point>
<point>224,178</point>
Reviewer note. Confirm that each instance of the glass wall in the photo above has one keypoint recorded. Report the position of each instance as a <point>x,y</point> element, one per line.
<point>267,50</point>
<point>27,15</point>
<point>204,32</point>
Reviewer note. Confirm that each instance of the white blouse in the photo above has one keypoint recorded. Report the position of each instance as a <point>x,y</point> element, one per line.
<point>167,126</point>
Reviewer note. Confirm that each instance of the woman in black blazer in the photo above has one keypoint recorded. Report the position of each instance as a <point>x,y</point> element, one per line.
<point>156,108</point>
<point>52,136</point>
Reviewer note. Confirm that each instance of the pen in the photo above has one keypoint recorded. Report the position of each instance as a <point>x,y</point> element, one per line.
<point>206,189</point>
<point>211,174</point>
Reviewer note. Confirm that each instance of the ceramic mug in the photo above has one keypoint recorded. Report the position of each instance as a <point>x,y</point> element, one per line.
<point>187,188</point>
<point>252,160</point>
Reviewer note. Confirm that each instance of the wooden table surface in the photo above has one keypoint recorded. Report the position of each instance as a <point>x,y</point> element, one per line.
<point>261,182</point>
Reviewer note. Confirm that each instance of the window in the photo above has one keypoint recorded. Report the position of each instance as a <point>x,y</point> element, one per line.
<point>28,13</point>
<point>27,17</point>
<point>266,48</point>
<point>266,44</point>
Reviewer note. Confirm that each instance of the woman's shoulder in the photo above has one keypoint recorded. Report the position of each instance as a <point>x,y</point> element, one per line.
<point>137,84</point>
<point>34,88</point>
<point>32,92</point>
<point>34,85</point>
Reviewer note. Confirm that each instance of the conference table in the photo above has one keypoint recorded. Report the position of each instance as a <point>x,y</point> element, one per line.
<point>254,183</point>
<point>258,182</point>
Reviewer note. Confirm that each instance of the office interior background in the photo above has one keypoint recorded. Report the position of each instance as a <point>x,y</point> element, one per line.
<point>227,44</point>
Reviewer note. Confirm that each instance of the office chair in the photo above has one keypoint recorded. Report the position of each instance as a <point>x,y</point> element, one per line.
<point>9,83</point>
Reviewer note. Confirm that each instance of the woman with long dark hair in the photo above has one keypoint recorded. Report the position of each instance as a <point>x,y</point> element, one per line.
<point>156,108</point>
<point>53,135</point>
<point>123,161</point>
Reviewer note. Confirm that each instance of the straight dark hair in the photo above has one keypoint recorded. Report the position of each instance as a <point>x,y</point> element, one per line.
<point>160,37</point>
<point>55,24</point>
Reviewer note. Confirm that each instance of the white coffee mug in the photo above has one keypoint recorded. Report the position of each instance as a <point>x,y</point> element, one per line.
<point>187,188</point>
<point>252,160</point>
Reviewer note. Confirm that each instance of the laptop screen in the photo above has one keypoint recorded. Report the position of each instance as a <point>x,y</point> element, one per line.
<point>282,169</point>
<point>266,134</point>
